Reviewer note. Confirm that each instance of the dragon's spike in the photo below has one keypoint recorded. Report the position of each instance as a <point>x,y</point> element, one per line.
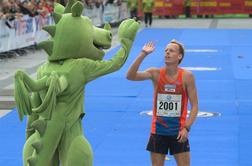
<point>40,126</point>
<point>77,9</point>
<point>47,46</point>
<point>69,6</point>
<point>56,17</point>
<point>37,146</point>
<point>58,8</point>
<point>32,161</point>
<point>50,29</point>
<point>107,26</point>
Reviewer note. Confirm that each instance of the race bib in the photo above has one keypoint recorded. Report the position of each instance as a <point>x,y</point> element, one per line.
<point>169,105</point>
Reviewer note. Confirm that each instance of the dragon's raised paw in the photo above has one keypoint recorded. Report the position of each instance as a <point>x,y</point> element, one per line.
<point>128,29</point>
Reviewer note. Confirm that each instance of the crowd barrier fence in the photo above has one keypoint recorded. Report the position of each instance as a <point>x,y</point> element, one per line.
<point>27,31</point>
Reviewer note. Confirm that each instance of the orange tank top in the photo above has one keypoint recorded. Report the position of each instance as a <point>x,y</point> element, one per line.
<point>170,105</point>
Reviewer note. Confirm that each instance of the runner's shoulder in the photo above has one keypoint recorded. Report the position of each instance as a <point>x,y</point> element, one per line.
<point>188,75</point>
<point>154,72</point>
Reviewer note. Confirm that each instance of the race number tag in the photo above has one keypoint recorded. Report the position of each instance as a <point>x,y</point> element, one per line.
<point>169,105</point>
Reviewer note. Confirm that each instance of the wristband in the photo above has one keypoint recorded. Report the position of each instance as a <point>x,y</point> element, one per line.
<point>187,128</point>
<point>145,53</point>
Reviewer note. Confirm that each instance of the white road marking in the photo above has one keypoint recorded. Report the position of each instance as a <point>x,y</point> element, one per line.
<point>201,50</point>
<point>202,114</point>
<point>4,113</point>
<point>202,68</point>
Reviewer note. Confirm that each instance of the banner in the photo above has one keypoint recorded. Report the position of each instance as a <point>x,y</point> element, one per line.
<point>248,6</point>
<point>199,7</point>
<point>95,14</point>
<point>5,35</point>
<point>165,7</point>
<point>168,7</point>
<point>110,14</point>
<point>23,32</point>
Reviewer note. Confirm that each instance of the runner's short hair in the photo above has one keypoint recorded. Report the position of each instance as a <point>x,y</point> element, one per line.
<point>181,48</point>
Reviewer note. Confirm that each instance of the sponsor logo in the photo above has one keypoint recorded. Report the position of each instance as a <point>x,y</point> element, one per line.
<point>170,87</point>
<point>168,97</point>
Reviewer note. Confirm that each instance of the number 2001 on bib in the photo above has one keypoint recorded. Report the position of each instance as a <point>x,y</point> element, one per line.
<point>169,105</point>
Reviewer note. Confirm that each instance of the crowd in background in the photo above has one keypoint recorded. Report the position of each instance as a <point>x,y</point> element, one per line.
<point>21,21</point>
<point>14,9</point>
<point>11,9</point>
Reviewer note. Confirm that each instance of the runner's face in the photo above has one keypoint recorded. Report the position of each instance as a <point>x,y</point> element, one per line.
<point>172,54</point>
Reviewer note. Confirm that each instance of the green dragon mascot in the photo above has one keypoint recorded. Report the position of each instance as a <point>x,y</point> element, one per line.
<point>54,101</point>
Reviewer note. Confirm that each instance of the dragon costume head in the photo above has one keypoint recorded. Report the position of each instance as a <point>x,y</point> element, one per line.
<point>74,36</point>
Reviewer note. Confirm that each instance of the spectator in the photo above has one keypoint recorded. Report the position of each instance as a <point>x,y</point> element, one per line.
<point>44,8</point>
<point>32,5</point>
<point>209,16</point>
<point>5,5</point>
<point>148,6</point>
<point>25,8</point>
<point>98,3</point>
<point>109,2</point>
<point>10,11</point>
<point>1,9</point>
<point>118,2</point>
<point>1,13</point>
<point>187,8</point>
<point>88,4</point>
<point>132,6</point>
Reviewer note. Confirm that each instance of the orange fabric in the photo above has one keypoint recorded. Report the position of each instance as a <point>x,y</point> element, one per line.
<point>163,80</point>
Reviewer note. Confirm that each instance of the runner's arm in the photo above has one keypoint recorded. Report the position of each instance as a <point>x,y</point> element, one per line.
<point>133,73</point>
<point>193,99</point>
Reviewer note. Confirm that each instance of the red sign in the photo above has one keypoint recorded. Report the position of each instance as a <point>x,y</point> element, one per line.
<point>198,7</point>
<point>165,7</point>
<point>221,6</point>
